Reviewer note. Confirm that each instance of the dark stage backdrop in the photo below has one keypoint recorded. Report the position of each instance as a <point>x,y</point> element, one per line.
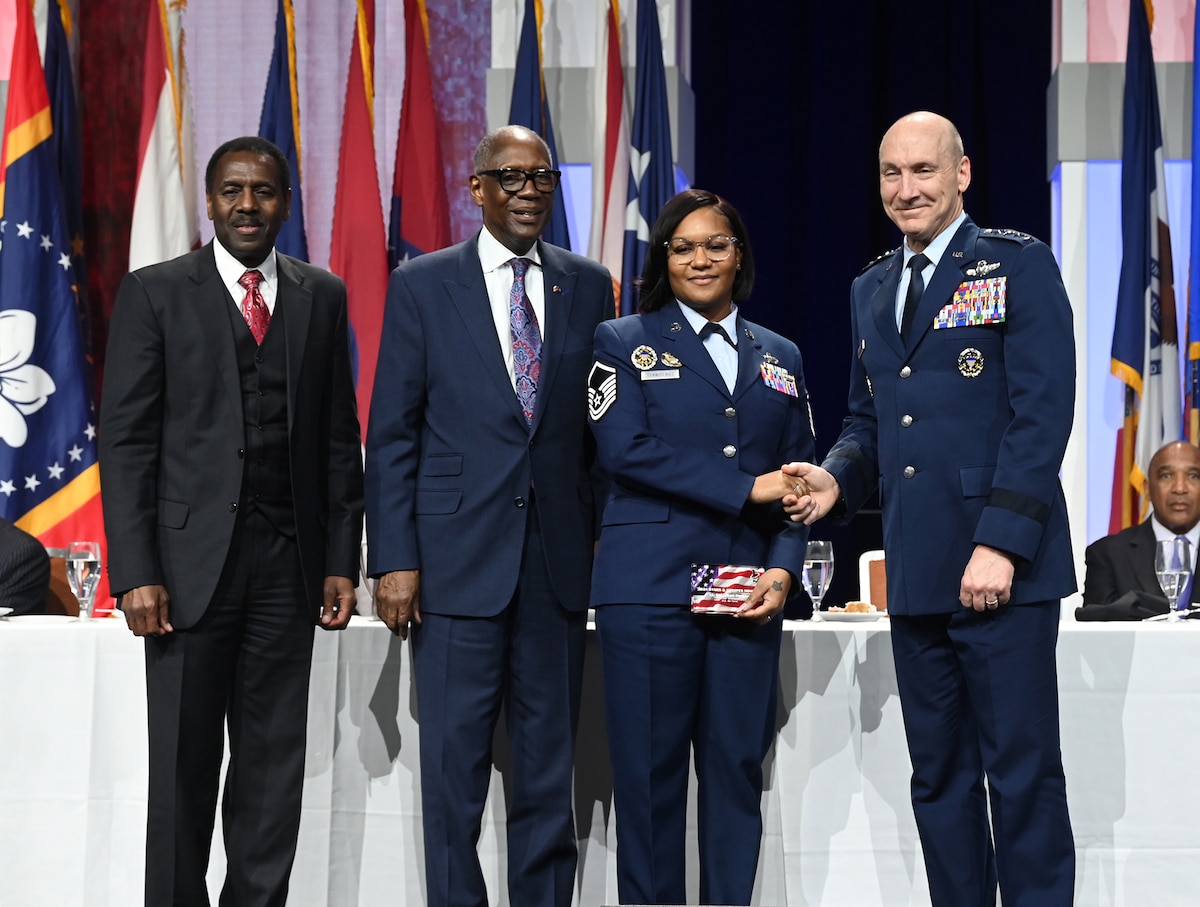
<point>792,99</point>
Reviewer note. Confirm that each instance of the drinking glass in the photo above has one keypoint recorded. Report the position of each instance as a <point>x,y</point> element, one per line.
<point>83,574</point>
<point>1173,564</point>
<point>818,571</point>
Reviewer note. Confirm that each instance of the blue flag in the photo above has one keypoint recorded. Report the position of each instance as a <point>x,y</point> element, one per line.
<point>1145,345</point>
<point>49,478</point>
<point>281,124</point>
<point>652,177</point>
<point>529,108</point>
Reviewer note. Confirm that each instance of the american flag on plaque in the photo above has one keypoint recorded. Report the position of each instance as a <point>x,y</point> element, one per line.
<point>722,588</point>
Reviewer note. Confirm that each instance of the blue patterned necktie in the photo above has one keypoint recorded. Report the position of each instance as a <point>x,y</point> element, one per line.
<point>526,339</point>
<point>1185,597</point>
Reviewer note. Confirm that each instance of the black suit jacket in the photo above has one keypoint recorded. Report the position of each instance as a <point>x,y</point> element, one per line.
<point>172,442</point>
<point>24,571</point>
<point>1122,563</point>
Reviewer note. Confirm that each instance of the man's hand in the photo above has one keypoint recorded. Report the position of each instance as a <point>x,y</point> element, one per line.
<point>767,600</point>
<point>398,600</point>
<point>987,581</point>
<point>146,610</point>
<point>338,602</point>
<point>815,494</point>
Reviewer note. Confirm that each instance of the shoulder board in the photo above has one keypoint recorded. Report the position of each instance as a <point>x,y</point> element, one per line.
<point>874,261</point>
<point>1014,235</point>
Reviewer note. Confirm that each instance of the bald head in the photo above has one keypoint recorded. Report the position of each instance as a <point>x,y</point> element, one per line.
<point>1174,482</point>
<point>923,174</point>
<point>485,151</point>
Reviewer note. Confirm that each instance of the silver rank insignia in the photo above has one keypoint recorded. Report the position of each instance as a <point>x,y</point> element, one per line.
<point>602,389</point>
<point>671,359</point>
<point>870,386</point>
<point>970,362</point>
<point>644,358</point>
<point>982,269</point>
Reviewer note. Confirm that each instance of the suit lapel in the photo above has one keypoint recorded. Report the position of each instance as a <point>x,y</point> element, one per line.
<point>750,355</point>
<point>295,301</point>
<point>558,287</point>
<point>1141,557</point>
<point>469,295</point>
<point>688,345</point>
<point>883,304</point>
<point>210,300</point>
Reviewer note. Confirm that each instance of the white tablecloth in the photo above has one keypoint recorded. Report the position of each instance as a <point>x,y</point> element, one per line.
<point>838,825</point>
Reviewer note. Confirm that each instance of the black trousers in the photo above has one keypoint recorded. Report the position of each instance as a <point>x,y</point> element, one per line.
<point>245,663</point>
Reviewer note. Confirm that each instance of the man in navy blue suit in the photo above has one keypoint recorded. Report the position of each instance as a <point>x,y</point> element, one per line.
<point>481,518</point>
<point>962,390</point>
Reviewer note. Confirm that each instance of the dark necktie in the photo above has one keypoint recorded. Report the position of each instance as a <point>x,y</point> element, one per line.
<point>714,328</point>
<point>916,287</point>
<point>526,339</point>
<point>254,307</point>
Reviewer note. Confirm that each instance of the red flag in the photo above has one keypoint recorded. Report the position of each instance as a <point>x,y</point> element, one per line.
<point>420,219</point>
<point>164,206</point>
<point>358,253</point>
<point>610,170</point>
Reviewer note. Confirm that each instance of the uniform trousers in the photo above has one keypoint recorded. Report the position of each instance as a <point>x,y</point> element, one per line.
<point>678,685</point>
<point>979,695</point>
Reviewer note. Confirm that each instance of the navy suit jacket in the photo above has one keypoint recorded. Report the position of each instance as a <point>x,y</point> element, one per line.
<point>683,453</point>
<point>963,431</point>
<point>450,459</point>
<point>172,433</point>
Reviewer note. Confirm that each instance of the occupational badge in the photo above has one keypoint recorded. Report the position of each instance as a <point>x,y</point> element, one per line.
<point>602,389</point>
<point>671,359</point>
<point>769,359</point>
<point>644,358</point>
<point>982,268</point>
<point>750,333</point>
<point>970,362</point>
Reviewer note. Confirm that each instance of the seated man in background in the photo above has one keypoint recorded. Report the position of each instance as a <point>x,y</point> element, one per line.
<point>24,571</point>
<point>1120,567</point>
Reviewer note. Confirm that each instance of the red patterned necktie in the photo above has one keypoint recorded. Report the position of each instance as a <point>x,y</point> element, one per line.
<point>526,339</point>
<point>254,307</point>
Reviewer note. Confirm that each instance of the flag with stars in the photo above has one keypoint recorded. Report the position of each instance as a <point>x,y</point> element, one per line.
<point>49,477</point>
<point>652,171</point>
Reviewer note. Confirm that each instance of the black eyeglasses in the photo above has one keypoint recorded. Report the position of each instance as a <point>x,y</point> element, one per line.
<point>512,180</point>
<point>716,248</point>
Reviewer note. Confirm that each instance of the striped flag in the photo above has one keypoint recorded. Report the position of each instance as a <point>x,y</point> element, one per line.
<point>1192,412</point>
<point>1145,346</point>
<point>49,477</point>
<point>652,177</point>
<point>722,588</point>
<point>164,204</point>
<point>530,108</point>
<point>610,153</point>
<point>280,123</point>
<point>420,215</point>
<point>358,252</point>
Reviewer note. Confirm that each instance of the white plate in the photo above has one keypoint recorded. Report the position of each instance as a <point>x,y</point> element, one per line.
<point>851,616</point>
<point>40,619</point>
<point>4,612</point>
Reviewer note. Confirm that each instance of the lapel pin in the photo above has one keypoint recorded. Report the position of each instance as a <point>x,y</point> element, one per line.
<point>556,289</point>
<point>676,327</point>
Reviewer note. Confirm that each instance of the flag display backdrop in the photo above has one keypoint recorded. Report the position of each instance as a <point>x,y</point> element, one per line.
<point>49,476</point>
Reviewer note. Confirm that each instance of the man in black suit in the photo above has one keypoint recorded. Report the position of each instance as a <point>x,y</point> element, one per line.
<point>481,518</point>
<point>232,478</point>
<point>24,571</point>
<point>1120,567</point>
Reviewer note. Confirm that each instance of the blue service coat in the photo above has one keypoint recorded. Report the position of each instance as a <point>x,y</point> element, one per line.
<point>683,453</point>
<point>964,431</point>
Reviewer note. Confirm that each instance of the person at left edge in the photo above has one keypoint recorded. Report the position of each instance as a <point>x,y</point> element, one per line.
<point>481,519</point>
<point>232,480</point>
<point>694,409</point>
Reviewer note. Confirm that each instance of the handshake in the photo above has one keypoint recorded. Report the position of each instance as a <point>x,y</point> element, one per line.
<point>806,491</point>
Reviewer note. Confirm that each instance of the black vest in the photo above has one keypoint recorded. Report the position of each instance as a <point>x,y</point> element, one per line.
<point>262,375</point>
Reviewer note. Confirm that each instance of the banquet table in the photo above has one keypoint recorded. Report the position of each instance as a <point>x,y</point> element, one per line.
<point>838,827</point>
